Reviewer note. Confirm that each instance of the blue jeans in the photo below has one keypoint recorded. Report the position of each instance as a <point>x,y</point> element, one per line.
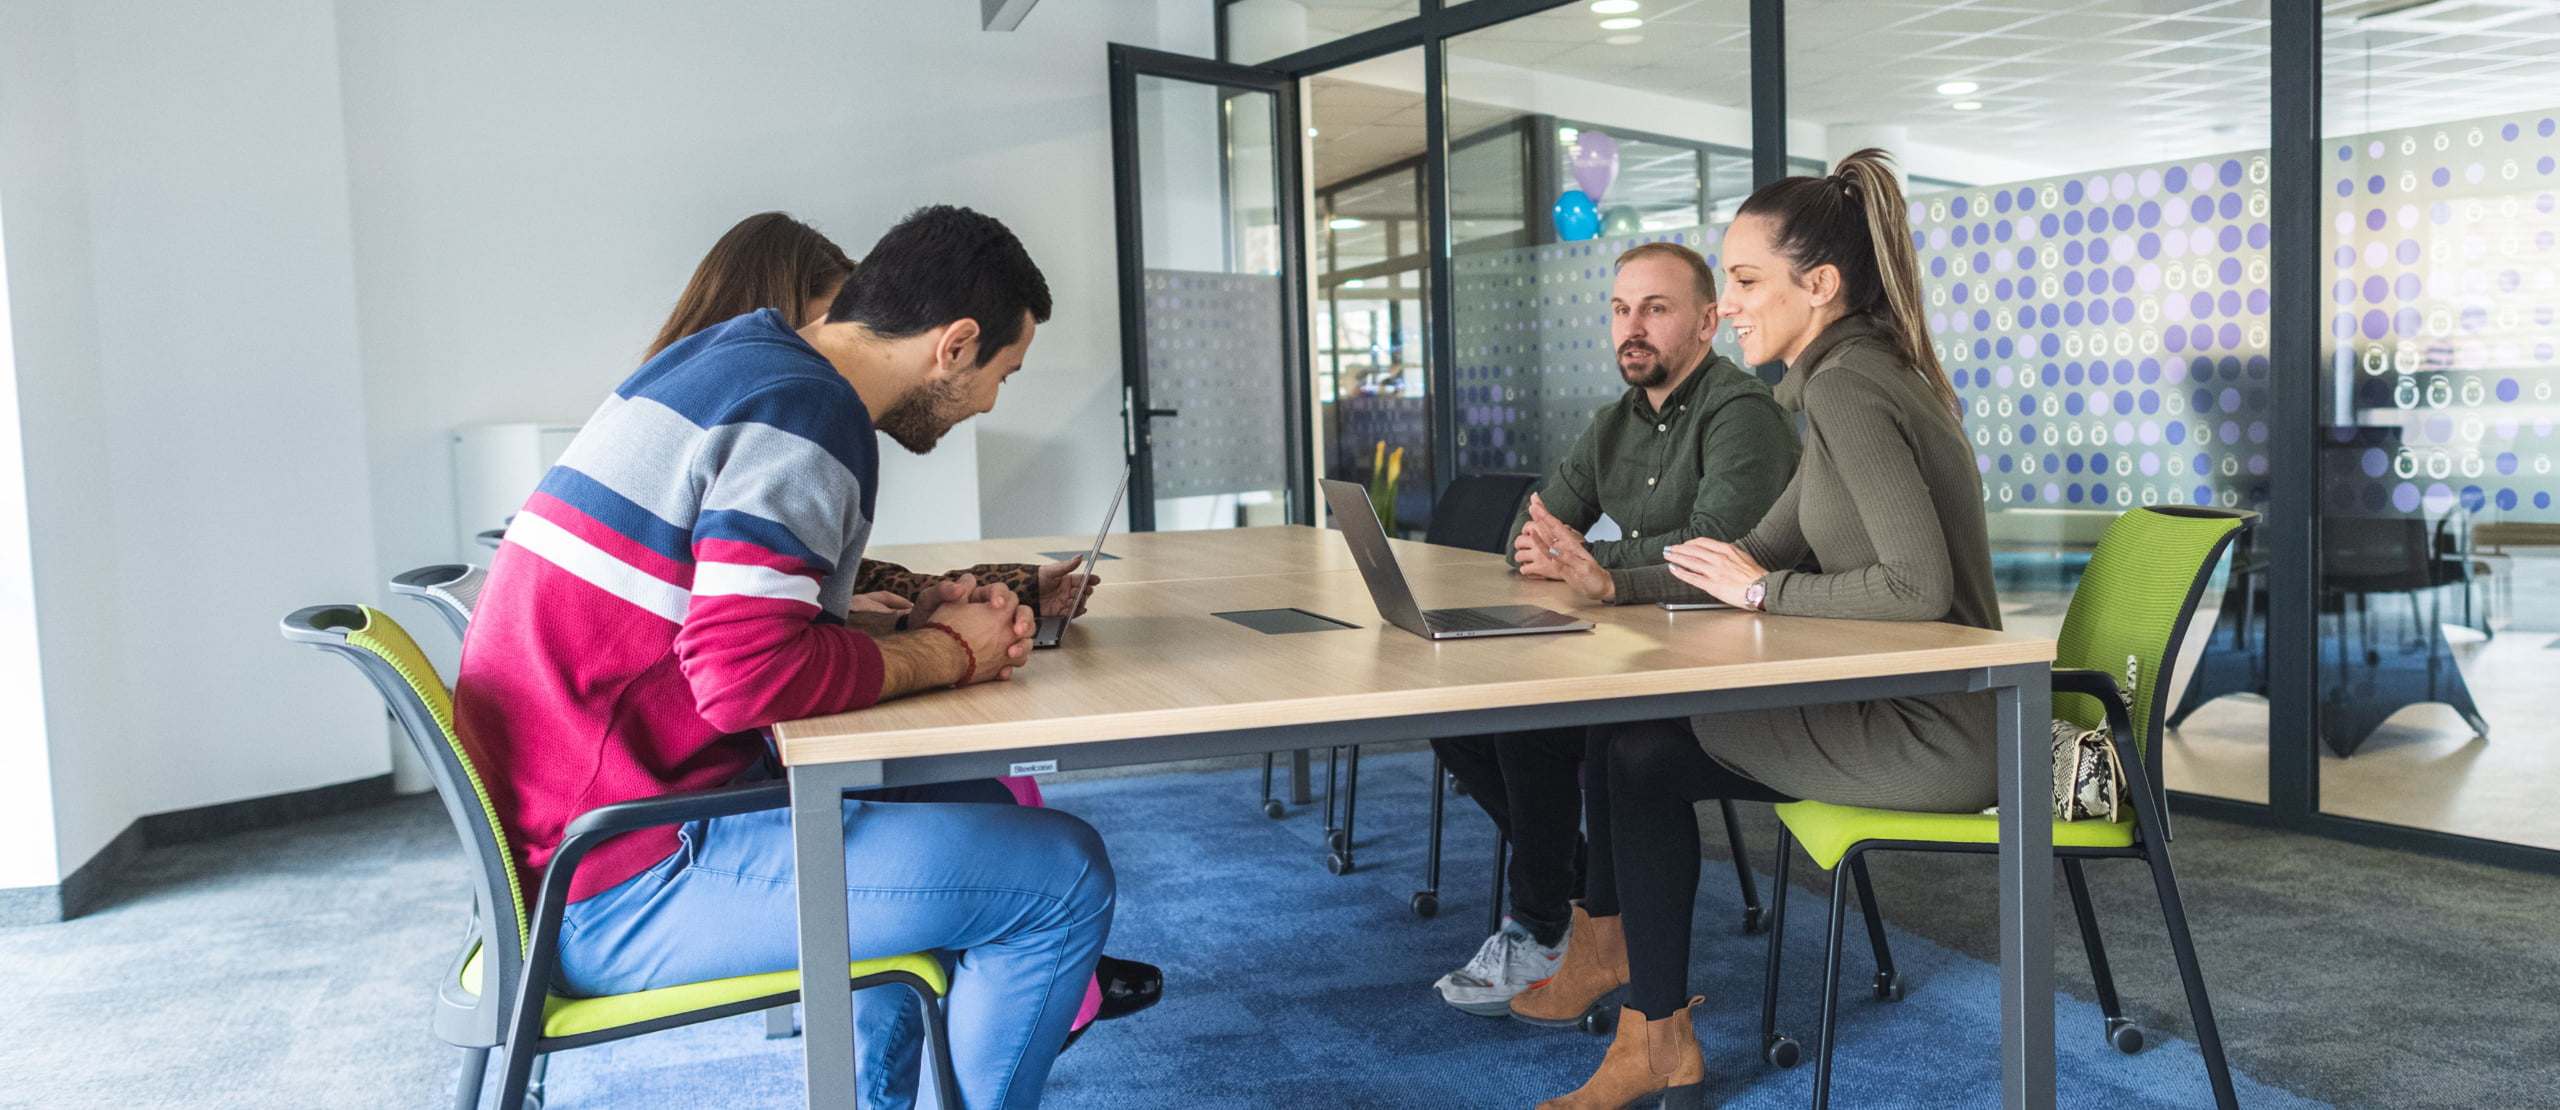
<point>1022,896</point>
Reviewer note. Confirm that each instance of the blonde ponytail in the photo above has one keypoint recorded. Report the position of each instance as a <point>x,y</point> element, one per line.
<point>1868,175</point>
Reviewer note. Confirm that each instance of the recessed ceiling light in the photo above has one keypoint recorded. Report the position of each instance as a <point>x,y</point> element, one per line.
<point>1623,23</point>
<point>1346,223</point>
<point>1958,88</point>
<point>1623,40</point>
<point>1614,7</point>
<point>1355,283</point>
<point>1968,105</point>
<point>1311,132</point>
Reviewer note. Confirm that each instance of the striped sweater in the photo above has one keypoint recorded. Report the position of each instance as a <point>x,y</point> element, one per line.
<point>677,583</point>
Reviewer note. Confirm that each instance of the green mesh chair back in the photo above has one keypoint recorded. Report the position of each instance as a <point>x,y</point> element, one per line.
<point>2133,606</point>
<point>417,698</point>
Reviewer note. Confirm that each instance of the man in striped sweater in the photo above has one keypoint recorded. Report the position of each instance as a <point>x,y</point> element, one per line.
<point>680,582</point>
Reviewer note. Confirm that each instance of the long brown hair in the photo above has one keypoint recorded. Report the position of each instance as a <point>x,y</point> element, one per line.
<point>769,260</point>
<point>1855,220</point>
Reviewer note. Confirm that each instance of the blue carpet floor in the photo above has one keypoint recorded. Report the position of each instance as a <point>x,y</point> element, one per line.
<point>1290,987</point>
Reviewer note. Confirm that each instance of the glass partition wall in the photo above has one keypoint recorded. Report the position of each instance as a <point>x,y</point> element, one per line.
<point>2440,545</point>
<point>2094,194</point>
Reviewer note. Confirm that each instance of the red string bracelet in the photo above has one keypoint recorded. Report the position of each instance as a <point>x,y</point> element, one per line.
<point>972,670</point>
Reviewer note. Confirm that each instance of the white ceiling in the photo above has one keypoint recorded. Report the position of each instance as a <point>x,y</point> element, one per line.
<point>2069,84</point>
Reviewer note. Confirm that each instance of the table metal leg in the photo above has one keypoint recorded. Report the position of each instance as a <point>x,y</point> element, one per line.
<point>1300,791</point>
<point>817,856</point>
<point>2024,697</point>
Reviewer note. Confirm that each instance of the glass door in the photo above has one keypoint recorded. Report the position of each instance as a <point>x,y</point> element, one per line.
<point>1212,301</point>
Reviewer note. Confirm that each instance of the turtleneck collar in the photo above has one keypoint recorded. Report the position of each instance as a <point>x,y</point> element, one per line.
<point>1790,388</point>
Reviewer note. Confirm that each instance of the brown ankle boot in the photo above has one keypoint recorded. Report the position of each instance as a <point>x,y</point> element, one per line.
<point>1594,964</point>
<point>1649,1056</point>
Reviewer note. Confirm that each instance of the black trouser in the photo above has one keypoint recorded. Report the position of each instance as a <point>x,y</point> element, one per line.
<point>1528,783</point>
<point>1645,866</point>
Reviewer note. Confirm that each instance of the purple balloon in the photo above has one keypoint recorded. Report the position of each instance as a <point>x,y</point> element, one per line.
<point>1595,163</point>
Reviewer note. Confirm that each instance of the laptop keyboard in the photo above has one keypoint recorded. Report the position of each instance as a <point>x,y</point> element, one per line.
<point>1464,620</point>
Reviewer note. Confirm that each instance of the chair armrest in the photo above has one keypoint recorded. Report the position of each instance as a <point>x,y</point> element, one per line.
<point>673,809</point>
<point>2102,686</point>
<point>604,822</point>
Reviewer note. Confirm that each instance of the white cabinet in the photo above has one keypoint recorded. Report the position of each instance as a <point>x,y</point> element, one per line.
<point>495,467</point>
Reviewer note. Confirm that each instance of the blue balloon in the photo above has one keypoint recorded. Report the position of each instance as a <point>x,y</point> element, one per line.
<point>1576,217</point>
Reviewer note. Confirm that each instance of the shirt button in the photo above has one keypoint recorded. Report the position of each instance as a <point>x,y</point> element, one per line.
<point>1662,427</point>
<point>1650,481</point>
<point>1635,535</point>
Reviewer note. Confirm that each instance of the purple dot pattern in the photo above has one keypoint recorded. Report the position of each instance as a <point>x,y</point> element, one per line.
<point>2115,354</point>
<point>2441,333</point>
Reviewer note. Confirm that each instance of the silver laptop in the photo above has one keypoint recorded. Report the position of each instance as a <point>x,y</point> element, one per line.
<point>1359,524</point>
<point>1051,628</point>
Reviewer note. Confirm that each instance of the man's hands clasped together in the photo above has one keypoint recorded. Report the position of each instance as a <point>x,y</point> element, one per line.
<point>988,620</point>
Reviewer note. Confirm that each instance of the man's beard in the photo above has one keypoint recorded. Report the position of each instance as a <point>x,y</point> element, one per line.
<point>920,419</point>
<point>1643,379</point>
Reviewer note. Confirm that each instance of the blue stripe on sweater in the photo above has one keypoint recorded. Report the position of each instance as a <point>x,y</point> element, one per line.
<point>621,514</point>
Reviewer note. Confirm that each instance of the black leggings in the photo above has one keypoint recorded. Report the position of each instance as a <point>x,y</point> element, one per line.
<point>1643,782</point>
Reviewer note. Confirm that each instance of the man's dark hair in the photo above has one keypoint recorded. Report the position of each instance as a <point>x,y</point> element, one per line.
<point>939,265</point>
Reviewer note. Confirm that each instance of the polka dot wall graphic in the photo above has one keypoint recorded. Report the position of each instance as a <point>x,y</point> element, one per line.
<point>2110,344</point>
<point>2441,333</point>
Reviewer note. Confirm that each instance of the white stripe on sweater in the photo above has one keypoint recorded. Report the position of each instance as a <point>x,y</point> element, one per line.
<point>596,567</point>
<point>750,580</point>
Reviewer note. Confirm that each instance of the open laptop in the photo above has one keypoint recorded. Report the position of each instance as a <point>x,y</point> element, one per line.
<point>1051,628</point>
<point>1359,524</point>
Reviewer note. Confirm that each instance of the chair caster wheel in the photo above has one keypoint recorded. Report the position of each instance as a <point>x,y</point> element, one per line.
<point>1457,789</point>
<point>1425,904</point>
<point>1600,1021</point>
<point>1337,840</point>
<point>1782,1052</point>
<point>1339,863</point>
<point>1888,986</point>
<point>1753,923</point>
<point>2125,1035</point>
<point>1272,808</point>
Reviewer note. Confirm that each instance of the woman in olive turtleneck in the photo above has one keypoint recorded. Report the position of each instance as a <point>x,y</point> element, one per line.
<point>1820,275</point>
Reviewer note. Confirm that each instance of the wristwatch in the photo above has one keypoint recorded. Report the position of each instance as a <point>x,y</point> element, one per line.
<point>1751,596</point>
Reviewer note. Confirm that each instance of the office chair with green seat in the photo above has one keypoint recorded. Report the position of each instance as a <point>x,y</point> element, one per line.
<point>496,994</point>
<point>2127,617</point>
<point>453,591</point>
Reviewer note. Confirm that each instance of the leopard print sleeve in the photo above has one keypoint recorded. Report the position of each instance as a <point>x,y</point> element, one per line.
<point>1022,578</point>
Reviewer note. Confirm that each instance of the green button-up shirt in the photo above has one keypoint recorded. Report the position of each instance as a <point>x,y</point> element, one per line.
<point>1709,462</point>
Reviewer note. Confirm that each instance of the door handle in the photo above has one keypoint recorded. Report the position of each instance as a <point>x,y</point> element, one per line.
<point>1166,413</point>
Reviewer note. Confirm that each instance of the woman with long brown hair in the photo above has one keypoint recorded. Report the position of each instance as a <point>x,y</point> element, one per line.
<point>1821,276</point>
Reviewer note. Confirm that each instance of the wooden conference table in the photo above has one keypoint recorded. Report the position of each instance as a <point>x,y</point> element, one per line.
<point>1149,675</point>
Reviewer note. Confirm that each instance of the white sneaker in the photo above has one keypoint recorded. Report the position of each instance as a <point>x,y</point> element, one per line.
<point>1508,962</point>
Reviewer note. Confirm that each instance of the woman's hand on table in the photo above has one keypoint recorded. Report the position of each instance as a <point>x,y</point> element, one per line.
<point>1719,568</point>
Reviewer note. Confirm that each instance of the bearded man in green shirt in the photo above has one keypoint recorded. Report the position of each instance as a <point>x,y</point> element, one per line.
<point>1696,447</point>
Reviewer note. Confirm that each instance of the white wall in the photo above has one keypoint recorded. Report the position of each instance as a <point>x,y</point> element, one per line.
<point>533,183</point>
<point>262,255</point>
<point>185,353</point>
